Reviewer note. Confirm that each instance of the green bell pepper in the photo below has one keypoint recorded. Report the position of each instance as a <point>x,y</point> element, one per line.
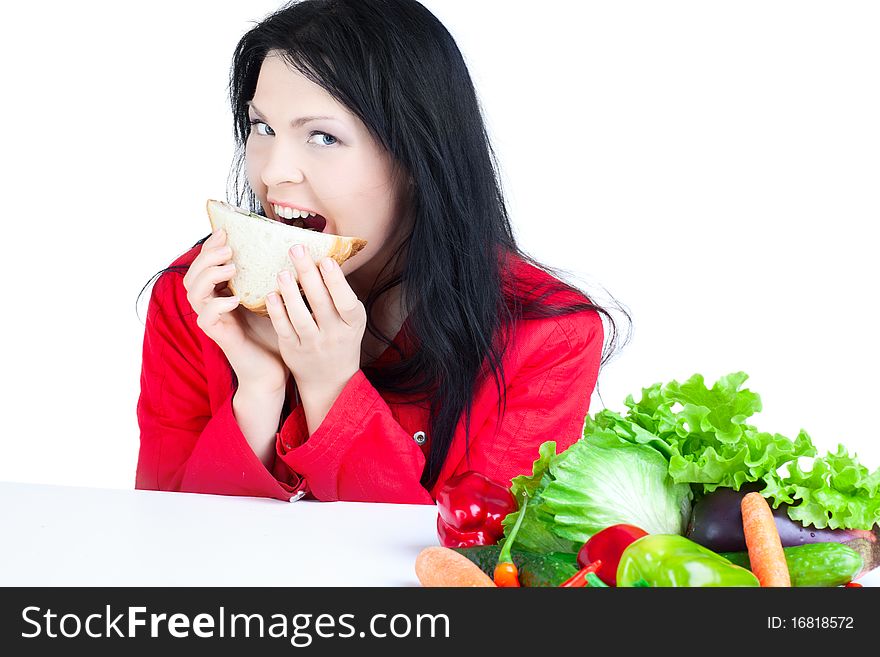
<point>672,560</point>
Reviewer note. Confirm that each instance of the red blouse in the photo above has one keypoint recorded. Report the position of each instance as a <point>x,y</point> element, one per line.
<point>370,446</point>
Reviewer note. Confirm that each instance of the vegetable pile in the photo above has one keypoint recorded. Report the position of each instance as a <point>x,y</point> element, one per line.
<point>675,492</point>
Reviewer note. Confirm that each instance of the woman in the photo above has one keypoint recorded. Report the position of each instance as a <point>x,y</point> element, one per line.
<point>363,113</point>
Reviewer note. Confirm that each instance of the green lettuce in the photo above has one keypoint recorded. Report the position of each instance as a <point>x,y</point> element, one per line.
<point>536,532</point>
<point>706,437</point>
<point>593,484</point>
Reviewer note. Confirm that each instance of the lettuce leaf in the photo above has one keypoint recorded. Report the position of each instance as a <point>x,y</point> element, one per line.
<point>705,435</point>
<point>601,480</point>
<point>536,532</point>
<point>837,492</point>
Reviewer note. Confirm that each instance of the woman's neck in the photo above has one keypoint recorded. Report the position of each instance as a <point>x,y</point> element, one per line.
<point>388,315</point>
<point>388,312</point>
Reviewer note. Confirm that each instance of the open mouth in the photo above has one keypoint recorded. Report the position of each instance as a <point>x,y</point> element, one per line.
<point>300,219</point>
<point>316,223</point>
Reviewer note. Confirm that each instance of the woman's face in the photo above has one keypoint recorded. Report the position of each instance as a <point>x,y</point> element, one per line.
<point>307,151</point>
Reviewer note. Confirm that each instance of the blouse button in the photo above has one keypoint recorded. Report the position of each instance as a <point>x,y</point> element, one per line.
<point>420,437</point>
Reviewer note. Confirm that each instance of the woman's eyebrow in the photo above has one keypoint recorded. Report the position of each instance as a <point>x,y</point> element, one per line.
<point>296,123</point>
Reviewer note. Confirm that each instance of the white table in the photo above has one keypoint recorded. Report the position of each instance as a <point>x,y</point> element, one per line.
<point>64,536</point>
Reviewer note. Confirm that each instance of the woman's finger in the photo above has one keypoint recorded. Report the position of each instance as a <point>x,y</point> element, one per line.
<point>202,289</point>
<point>208,257</point>
<point>348,306</point>
<point>297,313</point>
<point>216,257</point>
<point>212,312</point>
<point>316,292</point>
<point>280,320</point>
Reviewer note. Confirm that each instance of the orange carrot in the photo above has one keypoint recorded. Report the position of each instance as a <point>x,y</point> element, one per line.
<point>762,539</point>
<point>440,566</point>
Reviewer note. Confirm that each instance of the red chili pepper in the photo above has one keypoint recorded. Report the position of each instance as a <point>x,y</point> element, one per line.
<point>471,507</point>
<point>607,546</point>
<point>505,573</point>
<point>579,579</point>
<point>853,585</point>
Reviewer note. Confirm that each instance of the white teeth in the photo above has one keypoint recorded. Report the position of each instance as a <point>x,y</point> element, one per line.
<point>290,213</point>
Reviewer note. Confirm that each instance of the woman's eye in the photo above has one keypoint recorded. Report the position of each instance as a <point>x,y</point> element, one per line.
<point>316,137</point>
<point>255,122</point>
<point>323,139</point>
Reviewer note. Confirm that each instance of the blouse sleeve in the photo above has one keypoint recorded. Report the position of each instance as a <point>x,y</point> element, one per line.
<point>185,444</point>
<point>361,453</point>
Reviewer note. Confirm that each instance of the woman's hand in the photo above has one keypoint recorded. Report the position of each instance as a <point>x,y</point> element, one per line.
<point>321,349</point>
<point>247,339</point>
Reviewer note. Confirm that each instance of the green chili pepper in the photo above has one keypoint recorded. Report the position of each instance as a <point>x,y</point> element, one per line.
<point>672,560</point>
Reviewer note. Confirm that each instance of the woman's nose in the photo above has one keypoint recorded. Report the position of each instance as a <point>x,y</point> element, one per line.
<point>281,168</point>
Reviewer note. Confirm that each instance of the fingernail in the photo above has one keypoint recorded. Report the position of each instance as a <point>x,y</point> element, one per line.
<point>272,298</point>
<point>327,264</point>
<point>298,250</point>
<point>284,276</point>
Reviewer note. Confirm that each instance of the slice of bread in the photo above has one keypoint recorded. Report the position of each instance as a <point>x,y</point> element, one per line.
<point>261,249</point>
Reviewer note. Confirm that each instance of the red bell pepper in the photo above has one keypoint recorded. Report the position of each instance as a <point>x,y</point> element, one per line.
<point>471,507</point>
<point>607,546</point>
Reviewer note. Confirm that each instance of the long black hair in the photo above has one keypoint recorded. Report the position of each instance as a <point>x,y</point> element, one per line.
<point>394,65</point>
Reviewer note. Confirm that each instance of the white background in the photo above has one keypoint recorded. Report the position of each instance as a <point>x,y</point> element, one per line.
<point>712,165</point>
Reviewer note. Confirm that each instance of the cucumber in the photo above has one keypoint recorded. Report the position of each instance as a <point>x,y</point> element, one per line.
<point>813,564</point>
<point>534,569</point>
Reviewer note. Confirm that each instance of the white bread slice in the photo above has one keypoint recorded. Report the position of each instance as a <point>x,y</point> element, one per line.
<point>261,249</point>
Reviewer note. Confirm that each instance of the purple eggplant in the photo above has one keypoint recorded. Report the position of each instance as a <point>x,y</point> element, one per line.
<point>716,523</point>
